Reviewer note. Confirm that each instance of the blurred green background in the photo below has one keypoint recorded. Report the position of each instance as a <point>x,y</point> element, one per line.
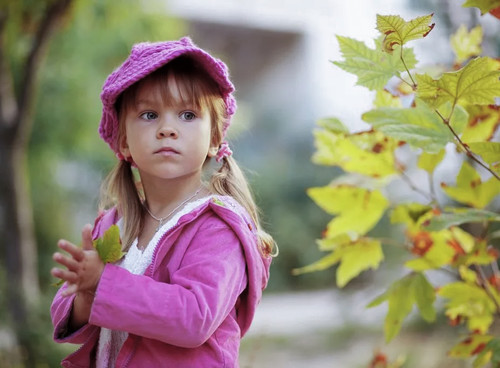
<point>272,139</point>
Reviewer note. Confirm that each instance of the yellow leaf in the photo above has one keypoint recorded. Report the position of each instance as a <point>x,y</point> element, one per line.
<point>489,151</point>
<point>357,257</point>
<point>467,275</point>
<point>324,263</point>
<point>466,44</point>
<point>358,210</point>
<point>471,190</point>
<point>482,123</point>
<point>367,153</point>
<point>384,98</point>
<point>429,161</point>
<point>412,215</point>
<point>470,302</point>
<point>434,250</point>
<point>469,346</point>
<point>464,239</point>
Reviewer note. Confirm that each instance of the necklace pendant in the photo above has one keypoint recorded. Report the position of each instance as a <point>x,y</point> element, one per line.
<point>159,225</point>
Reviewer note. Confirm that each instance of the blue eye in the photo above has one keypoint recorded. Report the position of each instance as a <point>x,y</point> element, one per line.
<point>149,115</point>
<point>187,115</point>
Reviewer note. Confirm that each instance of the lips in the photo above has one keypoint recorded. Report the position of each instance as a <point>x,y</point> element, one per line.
<point>167,151</point>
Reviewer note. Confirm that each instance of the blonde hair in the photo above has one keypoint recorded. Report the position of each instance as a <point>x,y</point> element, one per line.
<point>195,87</point>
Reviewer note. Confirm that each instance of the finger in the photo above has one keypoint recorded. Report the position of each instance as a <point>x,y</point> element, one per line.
<point>70,290</point>
<point>69,263</point>
<point>72,249</point>
<point>87,237</point>
<point>65,275</point>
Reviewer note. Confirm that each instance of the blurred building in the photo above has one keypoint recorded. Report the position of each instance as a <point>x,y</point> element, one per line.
<point>279,54</point>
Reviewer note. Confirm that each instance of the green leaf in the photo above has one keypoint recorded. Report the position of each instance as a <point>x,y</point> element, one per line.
<point>401,296</point>
<point>470,302</point>
<point>398,32</point>
<point>420,126</point>
<point>333,125</point>
<point>367,153</point>
<point>358,210</point>
<point>484,5</point>
<point>466,44</point>
<point>428,161</point>
<point>460,216</point>
<point>373,68</point>
<point>476,83</point>
<point>109,246</point>
<point>425,296</point>
<point>489,151</point>
<point>491,353</point>
<point>470,189</point>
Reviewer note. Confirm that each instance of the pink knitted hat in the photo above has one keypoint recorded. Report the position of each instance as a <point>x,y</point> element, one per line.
<point>144,59</point>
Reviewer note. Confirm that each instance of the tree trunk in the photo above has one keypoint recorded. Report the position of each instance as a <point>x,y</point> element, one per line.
<point>16,216</point>
<point>16,231</point>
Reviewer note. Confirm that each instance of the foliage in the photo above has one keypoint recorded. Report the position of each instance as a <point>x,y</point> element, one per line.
<point>428,117</point>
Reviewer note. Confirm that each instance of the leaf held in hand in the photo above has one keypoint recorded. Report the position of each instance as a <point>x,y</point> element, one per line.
<point>109,246</point>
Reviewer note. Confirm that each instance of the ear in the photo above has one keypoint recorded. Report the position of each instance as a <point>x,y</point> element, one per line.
<point>123,147</point>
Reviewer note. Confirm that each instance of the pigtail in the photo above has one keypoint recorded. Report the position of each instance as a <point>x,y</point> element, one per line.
<point>230,180</point>
<point>119,189</point>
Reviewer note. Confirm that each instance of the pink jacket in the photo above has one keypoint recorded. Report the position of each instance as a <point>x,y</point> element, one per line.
<point>194,302</point>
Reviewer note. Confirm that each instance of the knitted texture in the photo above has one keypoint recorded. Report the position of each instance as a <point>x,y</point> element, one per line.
<point>144,59</point>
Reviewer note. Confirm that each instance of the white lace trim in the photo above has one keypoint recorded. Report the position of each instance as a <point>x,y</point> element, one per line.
<point>136,261</point>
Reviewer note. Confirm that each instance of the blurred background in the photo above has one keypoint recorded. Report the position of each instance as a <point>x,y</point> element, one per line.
<point>279,55</point>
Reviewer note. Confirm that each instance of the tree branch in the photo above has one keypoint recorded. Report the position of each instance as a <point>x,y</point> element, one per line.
<point>8,108</point>
<point>53,14</point>
<point>468,152</point>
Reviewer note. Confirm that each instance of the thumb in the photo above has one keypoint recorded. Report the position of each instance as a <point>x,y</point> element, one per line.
<point>87,237</point>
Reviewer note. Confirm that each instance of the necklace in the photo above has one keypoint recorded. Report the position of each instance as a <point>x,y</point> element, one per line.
<point>162,219</point>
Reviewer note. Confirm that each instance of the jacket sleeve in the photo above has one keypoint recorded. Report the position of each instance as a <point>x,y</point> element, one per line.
<point>61,307</point>
<point>186,311</point>
<point>60,311</point>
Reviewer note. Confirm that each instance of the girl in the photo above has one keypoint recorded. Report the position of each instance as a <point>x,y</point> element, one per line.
<point>196,257</point>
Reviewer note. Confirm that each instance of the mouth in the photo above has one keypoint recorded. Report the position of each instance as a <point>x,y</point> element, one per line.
<point>166,151</point>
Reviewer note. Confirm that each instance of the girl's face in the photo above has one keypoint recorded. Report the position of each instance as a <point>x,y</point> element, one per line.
<point>166,139</point>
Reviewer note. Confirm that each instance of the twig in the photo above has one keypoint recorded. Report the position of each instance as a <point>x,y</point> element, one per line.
<point>408,181</point>
<point>433,190</point>
<point>52,15</point>
<point>414,86</point>
<point>465,146</point>
<point>486,285</point>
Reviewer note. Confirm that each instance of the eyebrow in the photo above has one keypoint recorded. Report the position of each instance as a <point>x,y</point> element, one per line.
<point>144,101</point>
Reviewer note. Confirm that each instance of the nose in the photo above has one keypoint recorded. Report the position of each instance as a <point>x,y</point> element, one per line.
<point>166,130</point>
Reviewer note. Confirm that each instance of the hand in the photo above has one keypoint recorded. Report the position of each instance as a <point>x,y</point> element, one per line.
<point>83,265</point>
